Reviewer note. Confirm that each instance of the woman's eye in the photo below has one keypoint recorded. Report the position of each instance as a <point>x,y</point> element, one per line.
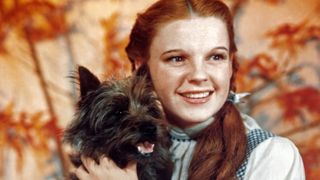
<point>176,59</point>
<point>217,57</point>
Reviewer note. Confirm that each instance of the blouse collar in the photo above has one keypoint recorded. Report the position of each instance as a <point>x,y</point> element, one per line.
<point>191,132</point>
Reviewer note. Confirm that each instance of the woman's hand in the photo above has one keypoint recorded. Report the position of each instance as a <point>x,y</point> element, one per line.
<point>105,170</point>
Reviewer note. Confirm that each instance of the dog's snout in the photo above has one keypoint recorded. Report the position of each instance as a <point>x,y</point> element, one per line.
<point>148,128</point>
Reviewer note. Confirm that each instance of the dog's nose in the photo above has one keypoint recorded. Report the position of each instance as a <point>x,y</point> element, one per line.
<point>148,128</point>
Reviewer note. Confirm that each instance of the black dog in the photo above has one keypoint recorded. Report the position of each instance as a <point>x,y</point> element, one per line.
<point>121,119</point>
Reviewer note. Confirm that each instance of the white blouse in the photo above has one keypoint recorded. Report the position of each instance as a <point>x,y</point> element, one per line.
<point>276,158</point>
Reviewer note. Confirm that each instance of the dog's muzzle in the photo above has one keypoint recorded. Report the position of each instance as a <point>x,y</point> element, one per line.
<point>145,148</point>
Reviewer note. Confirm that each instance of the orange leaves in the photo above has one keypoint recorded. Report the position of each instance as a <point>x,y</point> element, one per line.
<point>273,2</point>
<point>18,131</point>
<point>32,20</point>
<point>52,129</point>
<point>311,158</point>
<point>8,135</point>
<point>3,29</point>
<point>116,60</point>
<point>292,37</point>
<point>254,71</point>
<point>307,98</point>
<point>36,19</point>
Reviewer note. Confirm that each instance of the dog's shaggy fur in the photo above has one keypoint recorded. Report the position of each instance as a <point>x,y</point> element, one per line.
<point>116,116</point>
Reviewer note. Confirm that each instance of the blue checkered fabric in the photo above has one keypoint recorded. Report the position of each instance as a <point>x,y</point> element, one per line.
<point>254,138</point>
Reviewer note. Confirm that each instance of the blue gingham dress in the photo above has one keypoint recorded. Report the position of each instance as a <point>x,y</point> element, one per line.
<point>254,138</point>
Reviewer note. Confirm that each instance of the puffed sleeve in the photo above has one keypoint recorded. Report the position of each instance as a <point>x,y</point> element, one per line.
<point>276,158</point>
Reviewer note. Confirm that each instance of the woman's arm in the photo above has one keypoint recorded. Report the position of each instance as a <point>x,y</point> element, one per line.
<point>105,170</point>
<point>275,158</point>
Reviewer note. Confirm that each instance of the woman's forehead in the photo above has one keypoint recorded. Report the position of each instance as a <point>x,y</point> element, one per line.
<point>195,33</point>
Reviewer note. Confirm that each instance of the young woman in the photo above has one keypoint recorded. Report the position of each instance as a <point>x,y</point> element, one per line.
<point>189,48</point>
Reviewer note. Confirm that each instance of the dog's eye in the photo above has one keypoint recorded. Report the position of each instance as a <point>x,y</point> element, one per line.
<point>119,112</point>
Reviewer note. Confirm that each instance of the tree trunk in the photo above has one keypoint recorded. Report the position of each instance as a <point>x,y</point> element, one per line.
<point>48,99</point>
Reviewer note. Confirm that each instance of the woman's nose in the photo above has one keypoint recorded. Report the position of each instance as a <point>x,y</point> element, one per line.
<point>198,73</point>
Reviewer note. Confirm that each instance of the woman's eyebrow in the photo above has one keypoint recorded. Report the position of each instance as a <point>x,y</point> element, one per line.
<point>171,50</point>
<point>220,48</point>
<point>180,50</point>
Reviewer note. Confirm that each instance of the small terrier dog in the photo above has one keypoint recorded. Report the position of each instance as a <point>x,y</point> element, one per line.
<point>122,120</point>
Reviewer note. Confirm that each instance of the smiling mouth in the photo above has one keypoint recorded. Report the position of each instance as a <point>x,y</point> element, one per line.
<point>196,97</point>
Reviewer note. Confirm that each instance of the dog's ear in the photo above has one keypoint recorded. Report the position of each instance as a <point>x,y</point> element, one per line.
<point>88,81</point>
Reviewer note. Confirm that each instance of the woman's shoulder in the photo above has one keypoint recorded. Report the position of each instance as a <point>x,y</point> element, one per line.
<point>276,146</point>
<point>275,158</point>
<point>270,156</point>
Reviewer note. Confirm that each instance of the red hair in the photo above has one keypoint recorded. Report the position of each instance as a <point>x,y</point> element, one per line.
<point>221,147</point>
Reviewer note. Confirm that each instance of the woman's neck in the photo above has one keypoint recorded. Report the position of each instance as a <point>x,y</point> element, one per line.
<point>195,129</point>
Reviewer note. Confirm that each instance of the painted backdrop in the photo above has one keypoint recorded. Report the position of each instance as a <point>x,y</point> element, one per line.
<point>42,42</point>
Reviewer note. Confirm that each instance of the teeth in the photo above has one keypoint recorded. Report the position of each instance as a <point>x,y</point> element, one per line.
<point>196,95</point>
<point>145,148</point>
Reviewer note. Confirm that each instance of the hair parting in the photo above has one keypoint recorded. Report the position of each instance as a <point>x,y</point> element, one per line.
<point>190,9</point>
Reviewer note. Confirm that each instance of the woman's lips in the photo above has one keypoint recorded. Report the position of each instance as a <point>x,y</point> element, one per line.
<point>198,97</point>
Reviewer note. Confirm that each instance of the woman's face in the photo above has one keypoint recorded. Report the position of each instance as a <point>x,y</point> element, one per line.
<point>190,68</point>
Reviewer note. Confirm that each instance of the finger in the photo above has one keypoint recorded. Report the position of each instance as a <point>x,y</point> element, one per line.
<point>88,163</point>
<point>131,170</point>
<point>107,162</point>
<point>132,166</point>
<point>81,173</point>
